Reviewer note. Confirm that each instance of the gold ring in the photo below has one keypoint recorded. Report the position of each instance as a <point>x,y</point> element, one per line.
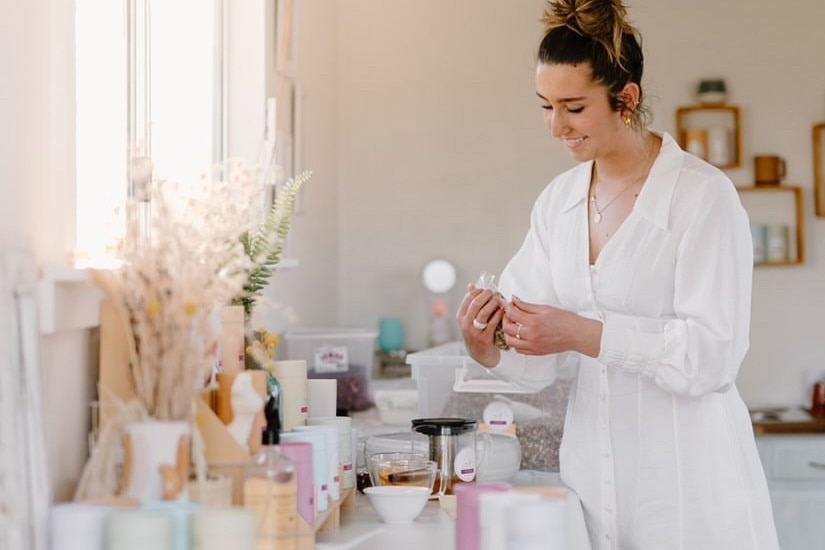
<point>479,325</point>
<point>518,331</point>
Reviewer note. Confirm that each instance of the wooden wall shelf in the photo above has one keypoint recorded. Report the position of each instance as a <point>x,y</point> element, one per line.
<point>705,117</point>
<point>819,166</point>
<point>764,209</point>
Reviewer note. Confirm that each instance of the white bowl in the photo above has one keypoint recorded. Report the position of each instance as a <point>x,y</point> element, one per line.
<point>398,503</point>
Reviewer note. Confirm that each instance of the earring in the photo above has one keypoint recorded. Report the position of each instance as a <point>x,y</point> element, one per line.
<point>631,108</point>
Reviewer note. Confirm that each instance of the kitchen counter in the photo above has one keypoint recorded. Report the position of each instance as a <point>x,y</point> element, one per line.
<point>362,529</point>
<point>785,420</point>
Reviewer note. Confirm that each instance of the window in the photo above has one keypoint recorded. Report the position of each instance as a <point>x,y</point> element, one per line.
<point>102,120</point>
<point>149,86</point>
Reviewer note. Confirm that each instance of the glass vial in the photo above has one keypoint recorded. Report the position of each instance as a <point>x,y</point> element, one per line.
<point>270,489</point>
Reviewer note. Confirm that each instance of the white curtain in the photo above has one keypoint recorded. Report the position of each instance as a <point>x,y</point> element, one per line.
<point>25,495</point>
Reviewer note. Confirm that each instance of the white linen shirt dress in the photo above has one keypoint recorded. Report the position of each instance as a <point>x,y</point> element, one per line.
<point>657,442</point>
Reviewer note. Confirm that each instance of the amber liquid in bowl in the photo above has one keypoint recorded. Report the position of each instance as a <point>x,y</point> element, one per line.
<point>401,476</point>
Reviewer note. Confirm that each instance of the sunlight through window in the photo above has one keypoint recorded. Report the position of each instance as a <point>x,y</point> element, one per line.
<point>169,111</point>
<point>101,124</point>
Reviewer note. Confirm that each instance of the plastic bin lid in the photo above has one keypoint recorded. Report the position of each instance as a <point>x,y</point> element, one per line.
<point>299,333</point>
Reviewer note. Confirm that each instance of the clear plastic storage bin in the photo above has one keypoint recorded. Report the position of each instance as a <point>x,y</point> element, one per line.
<point>327,345</point>
<point>450,383</point>
<point>444,371</point>
<point>346,355</point>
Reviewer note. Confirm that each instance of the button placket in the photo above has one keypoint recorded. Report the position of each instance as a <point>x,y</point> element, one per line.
<point>608,519</point>
<point>608,500</point>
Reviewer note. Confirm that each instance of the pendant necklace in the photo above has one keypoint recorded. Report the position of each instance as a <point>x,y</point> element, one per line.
<point>597,217</point>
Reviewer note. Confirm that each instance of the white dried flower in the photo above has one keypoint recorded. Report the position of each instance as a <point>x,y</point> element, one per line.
<point>173,281</point>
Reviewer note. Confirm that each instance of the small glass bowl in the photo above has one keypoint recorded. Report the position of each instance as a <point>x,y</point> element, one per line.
<point>406,469</point>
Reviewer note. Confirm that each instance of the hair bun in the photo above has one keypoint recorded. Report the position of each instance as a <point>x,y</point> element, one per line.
<point>604,21</point>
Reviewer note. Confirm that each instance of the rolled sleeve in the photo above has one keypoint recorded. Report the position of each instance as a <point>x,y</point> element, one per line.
<point>700,348</point>
<point>642,345</point>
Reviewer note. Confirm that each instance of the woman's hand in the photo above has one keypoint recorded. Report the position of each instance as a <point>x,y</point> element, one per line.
<point>534,329</point>
<point>478,316</point>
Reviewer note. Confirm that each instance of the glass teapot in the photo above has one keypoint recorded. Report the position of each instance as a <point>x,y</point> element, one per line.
<point>452,445</point>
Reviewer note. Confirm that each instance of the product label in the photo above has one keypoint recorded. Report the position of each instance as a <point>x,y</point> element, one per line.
<point>274,504</point>
<point>331,359</point>
<point>465,464</point>
<point>498,415</point>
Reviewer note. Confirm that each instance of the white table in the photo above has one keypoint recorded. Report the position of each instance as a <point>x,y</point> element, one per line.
<point>362,529</point>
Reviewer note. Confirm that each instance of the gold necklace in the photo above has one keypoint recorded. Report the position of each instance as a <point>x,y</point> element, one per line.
<point>598,216</point>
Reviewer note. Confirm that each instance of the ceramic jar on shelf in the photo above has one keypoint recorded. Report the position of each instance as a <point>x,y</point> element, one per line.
<point>156,460</point>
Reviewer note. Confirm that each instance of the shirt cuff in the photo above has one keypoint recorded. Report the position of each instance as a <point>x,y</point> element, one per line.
<point>643,345</point>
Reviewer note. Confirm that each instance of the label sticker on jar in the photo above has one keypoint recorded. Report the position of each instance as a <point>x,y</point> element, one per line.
<point>331,359</point>
<point>498,415</point>
<point>465,464</point>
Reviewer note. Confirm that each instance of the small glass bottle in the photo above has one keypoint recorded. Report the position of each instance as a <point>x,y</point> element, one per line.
<point>270,489</point>
<point>439,331</point>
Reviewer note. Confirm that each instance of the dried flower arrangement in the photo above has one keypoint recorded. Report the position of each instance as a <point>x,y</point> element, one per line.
<point>173,281</point>
<point>260,354</point>
<point>168,292</point>
<point>262,346</point>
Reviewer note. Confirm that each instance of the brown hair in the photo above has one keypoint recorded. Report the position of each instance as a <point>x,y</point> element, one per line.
<point>598,33</point>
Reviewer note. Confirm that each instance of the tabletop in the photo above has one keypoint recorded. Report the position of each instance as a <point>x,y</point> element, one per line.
<point>434,529</point>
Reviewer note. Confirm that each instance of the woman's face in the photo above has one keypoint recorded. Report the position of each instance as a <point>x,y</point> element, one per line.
<point>577,111</point>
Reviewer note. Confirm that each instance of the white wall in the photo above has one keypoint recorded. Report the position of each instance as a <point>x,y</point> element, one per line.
<point>37,198</point>
<point>441,150</point>
<point>311,291</point>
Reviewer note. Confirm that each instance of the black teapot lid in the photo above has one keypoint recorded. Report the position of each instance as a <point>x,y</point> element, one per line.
<point>443,426</point>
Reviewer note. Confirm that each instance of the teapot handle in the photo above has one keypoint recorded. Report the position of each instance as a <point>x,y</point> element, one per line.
<point>484,442</point>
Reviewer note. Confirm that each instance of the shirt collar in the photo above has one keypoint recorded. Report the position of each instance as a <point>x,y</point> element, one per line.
<point>579,185</point>
<point>655,198</point>
<point>656,195</point>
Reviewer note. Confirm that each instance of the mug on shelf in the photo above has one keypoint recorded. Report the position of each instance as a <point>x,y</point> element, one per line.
<point>768,169</point>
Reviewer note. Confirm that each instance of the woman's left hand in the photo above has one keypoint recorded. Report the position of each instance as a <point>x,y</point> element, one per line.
<point>536,329</point>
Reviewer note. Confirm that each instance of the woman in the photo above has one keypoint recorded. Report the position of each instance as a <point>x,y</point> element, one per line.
<point>636,270</point>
